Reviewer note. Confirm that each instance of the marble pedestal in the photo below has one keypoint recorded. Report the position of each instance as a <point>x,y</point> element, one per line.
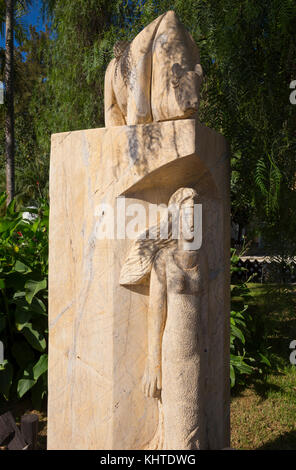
<point>97,328</point>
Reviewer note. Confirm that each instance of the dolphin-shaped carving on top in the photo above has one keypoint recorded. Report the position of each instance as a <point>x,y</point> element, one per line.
<point>156,77</point>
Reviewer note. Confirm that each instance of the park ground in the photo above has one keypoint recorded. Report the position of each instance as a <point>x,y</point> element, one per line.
<point>263,413</point>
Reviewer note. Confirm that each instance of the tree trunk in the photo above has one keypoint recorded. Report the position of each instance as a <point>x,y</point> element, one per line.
<point>9,118</point>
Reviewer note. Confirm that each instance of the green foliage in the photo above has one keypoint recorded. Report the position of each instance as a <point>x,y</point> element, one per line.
<point>239,361</point>
<point>249,354</point>
<point>84,34</point>
<point>268,178</point>
<point>31,161</point>
<point>23,300</point>
<point>247,53</point>
<point>21,8</point>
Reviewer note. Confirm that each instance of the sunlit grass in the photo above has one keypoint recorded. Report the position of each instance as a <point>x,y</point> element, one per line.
<point>263,414</point>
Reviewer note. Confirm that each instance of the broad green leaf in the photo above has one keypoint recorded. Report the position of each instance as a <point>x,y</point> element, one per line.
<point>40,367</point>
<point>238,314</point>
<point>35,337</point>
<point>2,284</point>
<point>235,359</point>
<point>35,226</point>
<point>238,362</point>
<point>22,317</point>
<point>33,287</point>
<point>8,224</point>
<point>19,295</point>
<point>264,360</point>
<point>4,225</point>
<point>232,376</point>
<point>37,306</point>
<point>237,333</point>
<point>10,210</point>
<point>24,385</point>
<point>3,197</point>
<point>22,268</point>
<point>244,368</point>
<point>45,213</point>
<point>26,382</point>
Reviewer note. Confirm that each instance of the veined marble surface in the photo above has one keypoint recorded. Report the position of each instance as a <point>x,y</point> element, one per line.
<point>97,328</point>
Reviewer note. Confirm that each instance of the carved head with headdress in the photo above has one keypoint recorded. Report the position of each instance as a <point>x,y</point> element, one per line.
<point>165,233</point>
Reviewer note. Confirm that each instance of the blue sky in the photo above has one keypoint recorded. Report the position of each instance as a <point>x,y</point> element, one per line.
<point>34,17</point>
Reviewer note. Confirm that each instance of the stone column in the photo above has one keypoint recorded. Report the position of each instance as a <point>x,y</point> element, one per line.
<point>98,328</point>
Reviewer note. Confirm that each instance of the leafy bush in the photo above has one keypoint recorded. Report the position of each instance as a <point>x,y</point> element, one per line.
<point>23,300</point>
<point>248,349</point>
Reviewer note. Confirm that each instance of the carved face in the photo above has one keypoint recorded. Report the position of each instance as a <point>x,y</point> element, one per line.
<point>187,220</point>
<point>184,93</point>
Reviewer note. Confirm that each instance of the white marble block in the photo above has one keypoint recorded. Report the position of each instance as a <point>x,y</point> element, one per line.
<point>98,327</point>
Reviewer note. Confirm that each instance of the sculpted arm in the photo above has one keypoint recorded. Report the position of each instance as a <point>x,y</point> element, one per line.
<point>156,323</point>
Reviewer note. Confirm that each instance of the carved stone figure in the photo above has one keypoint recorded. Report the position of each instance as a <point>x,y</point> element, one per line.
<point>154,78</point>
<point>141,366</point>
<point>177,331</point>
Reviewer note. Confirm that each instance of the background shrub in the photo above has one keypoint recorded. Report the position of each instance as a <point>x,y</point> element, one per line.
<point>23,300</point>
<point>249,350</point>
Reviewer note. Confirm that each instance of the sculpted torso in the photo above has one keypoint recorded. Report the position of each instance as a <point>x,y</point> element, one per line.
<point>177,281</point>
<point>183,312</point>
<point>177,325</point>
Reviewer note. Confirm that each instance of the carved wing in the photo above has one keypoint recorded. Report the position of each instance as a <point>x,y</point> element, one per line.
<point>138,264</point>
